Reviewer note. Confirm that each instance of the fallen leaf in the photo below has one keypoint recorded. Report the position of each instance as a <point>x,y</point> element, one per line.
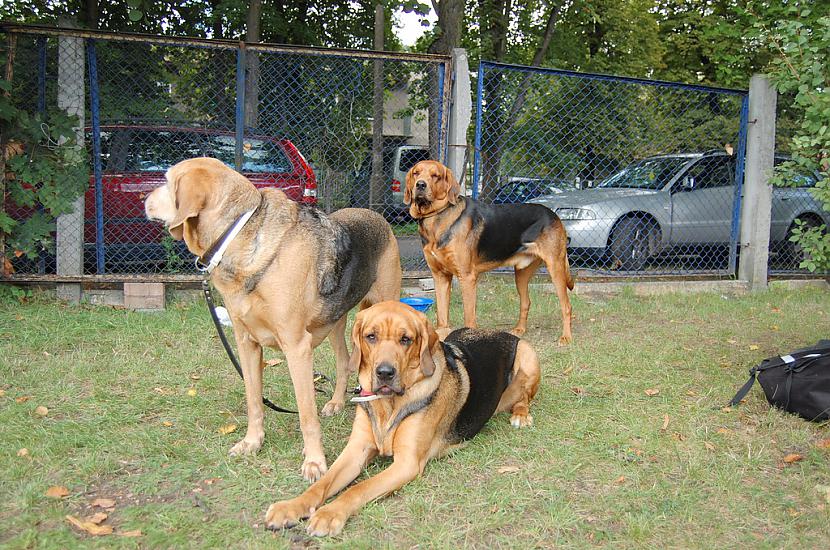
<point>665,422</point>
<point>823,444</point>
<point>691,393</point>
<point>728,409</point>
<point>90,527</point>
<point>133,533</point>
<point>774,327</point>
<point>57,491</point>
<point>620,480</point>
<point>731,341</point>
<point>577,391</point>
<point>651,392</point>
<point>508,469</point>
<point>776,310</point>
<point>724,431</point>
<point>23,452</point>
<point>792,458</point>
<point>227,428</point>
<point>22,399</point>
<point>678,436</point>
<point>195,377</point>
<point>709,446</point>
<point>212,480</point>
<point>167,423</point>
<point>753,347</point>
<point>47,354</point>
<point>567,371</point>
<point>2,393</point>
<point>103,503</point>
<point>40,410</point>
<point>97,517</point>
<point>273,362</point>
<point>191,392</point>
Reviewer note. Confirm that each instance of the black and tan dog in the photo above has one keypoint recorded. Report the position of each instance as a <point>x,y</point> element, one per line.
<point>464,238</point>
<point>423,397</point>
<point>288,279</point>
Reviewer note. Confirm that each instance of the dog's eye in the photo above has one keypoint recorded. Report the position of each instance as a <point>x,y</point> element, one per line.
<point>406,340</point>
<point>371,338</point>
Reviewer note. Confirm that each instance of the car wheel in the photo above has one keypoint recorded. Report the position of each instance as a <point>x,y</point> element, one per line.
<point>793,253</point>
<point>632,243</point>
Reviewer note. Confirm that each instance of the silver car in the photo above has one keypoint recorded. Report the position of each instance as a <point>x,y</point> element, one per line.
<point>672,204</point>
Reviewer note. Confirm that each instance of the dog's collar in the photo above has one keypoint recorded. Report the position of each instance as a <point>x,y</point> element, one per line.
<point>422,218</point>
<point>210,259</point>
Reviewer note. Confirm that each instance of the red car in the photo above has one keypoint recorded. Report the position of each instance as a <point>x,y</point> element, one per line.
<point>134,160</point>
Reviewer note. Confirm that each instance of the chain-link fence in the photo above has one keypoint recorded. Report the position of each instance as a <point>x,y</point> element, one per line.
<point>642,173</point>
<point>304,120</point>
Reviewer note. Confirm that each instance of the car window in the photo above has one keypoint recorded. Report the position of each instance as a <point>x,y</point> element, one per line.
<point>653,173</point>
<point>410,157</point>
<point>712,172</point>
<point>258,156</point>
<point>135,150</point>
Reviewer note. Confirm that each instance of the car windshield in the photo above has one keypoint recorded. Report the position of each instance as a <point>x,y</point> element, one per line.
<point>653,173</point>
<point>411,157</point>
<point>140,150</point>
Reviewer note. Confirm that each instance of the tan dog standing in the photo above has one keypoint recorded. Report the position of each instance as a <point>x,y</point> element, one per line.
<point>288,280</point>
<point>465,238</point>
<point>423,397</point>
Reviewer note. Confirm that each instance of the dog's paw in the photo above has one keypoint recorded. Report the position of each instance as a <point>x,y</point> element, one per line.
<point>518,331</point>
<point>521,420</point>
<point>246,447</point>
<point>313,468</point>
<point>286,513</point>
<point>327,522</point>
<point>564,340</point>
<point>332,407</point>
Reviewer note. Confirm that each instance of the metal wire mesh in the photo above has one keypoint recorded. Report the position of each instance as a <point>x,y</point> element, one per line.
<point>300,120</point>
<point>642,173</point>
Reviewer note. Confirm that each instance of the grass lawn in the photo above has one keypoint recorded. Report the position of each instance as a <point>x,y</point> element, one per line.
<point>137,403</point>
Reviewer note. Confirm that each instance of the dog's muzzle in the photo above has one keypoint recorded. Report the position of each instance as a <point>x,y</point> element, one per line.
<point>386,382</point>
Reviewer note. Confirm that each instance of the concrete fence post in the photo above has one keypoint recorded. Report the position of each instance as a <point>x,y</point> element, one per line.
<point>756,205</point>
<point>461,111</point>
<point>70,227</point>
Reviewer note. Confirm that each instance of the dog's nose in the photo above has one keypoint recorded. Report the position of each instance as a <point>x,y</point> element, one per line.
<point>385,371</point>
<point>420,185</point>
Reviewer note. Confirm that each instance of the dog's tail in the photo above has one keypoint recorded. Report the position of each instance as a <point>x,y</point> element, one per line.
<point>571,279</point>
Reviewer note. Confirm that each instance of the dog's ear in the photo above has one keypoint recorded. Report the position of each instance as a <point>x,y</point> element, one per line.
<point>410,183</point>
<point>453,187</point>
<point>190,195</point>
<point>428,338</point>
<point>357,355</point>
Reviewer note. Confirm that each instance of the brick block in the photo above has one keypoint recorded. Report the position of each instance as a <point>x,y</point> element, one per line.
<point>144,295</point>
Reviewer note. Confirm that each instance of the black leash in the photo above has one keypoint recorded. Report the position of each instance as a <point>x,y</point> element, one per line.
<point>212,308</point>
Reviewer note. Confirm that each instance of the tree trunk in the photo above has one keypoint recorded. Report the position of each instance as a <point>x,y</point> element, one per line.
<point>252,36</point>
<point>89,14</point>
<point>450,15</point>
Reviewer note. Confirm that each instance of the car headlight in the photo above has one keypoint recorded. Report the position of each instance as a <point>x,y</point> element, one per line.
<point>576,214</point>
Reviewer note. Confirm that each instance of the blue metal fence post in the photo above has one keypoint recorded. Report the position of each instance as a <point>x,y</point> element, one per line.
<point>477,152</point>
<point>240,105</point>
<point>739,183</point>
<point>441,68</point>
<point>94,101</point>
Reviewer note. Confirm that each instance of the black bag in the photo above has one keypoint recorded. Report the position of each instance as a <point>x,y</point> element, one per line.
<point>798,383</point>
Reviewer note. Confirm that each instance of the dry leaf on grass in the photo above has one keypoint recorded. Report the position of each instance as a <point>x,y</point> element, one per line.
<point>567,371</point>
<point>823,444</point>
<point>97,517</point>
<point>103,503</point>
<point>2,392</point>
<point>133,533</point>
<point>793,457</point>
<point>40,410</point>
<point>227,428</point>
<point>724,431</point>
<point>21,399</point>
<point>191,392</point>
<point>665,422</point>
<point>195,377</point>
<point>24,452</point>
<point>89,527</point>
<point>651,392</point>
<point>57,491</point>
<point>776,310</point>
<point>620,480</point>
<point>753,347</point>
<point>709,446</point>
<point>508,469</point>
<point>166,423</point>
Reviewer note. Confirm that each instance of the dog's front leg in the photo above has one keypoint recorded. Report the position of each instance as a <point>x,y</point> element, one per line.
<point>300,360</point>
<point>341,357</point>
<point>469,283</point>
<point>250,358</point>
<point>330,519</point>
<point>359,450</point>
<point>443,286</point>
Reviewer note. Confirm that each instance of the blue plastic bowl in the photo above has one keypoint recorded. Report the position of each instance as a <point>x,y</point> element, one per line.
<point>421,304</point>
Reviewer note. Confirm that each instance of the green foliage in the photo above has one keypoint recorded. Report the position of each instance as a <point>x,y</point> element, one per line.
<point>801,69</point>
<point>45,173</point>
